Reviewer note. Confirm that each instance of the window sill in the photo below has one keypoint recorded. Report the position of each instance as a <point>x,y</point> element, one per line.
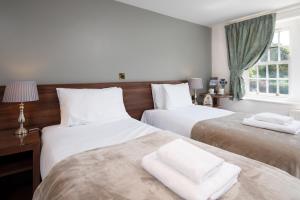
<point>271,99</point>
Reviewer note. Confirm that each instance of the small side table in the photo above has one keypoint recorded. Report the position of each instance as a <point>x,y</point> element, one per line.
<point>19,154</point>
<point>216,98</point>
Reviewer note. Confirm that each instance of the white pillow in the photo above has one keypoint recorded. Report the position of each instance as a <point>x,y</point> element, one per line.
<point>83,106</point>
<point>158,94</point>
<point>177,96</point>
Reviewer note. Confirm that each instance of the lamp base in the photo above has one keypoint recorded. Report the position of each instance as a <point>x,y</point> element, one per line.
<point>195,97</point>
<point>21,131</point>
<point>196,102</point>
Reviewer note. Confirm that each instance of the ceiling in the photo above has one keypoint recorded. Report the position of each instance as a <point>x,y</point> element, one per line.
<point>209,12</point>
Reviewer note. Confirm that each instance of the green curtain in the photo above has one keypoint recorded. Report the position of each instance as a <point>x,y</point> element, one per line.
<point>246,43</point>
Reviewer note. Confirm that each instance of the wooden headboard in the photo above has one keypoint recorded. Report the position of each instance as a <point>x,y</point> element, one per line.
<point>45,112</point>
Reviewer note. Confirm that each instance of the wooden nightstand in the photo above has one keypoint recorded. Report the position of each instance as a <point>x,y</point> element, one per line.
<point>17,156</point>
<point>216,98</point>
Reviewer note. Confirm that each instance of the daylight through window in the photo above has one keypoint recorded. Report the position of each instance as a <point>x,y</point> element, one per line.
<point>270,74</point>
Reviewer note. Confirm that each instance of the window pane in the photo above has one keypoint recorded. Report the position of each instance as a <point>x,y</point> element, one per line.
<point>283,71</point>
<point>272,71</point>
<point>273,86</point>
<point>262,71</point>
<point>274,53</point>
<point>284,38</point>
<point>264,57</point>
<point>252,72</point>
<point>284,87</point>
<point>284,53</point>
<point>253,86</point>
<point>275,39</point>
<point>262,86</point>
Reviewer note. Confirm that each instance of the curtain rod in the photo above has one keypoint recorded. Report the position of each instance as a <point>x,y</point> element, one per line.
<point>278,11</point>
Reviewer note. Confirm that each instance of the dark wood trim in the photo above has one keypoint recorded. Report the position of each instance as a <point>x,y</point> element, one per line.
<point>216,98</point>
<point>20,155</point>
<point>36,175</point>
<point>45,112</point>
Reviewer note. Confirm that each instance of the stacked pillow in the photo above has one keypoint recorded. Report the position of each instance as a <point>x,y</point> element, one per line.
<point>171,96</point>
<point>84,106</point>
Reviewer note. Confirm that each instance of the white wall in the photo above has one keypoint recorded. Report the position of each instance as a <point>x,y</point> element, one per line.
<point>253,106</point>
<point>294,70</point>
<point>220,69</point>
<point>219,53</point>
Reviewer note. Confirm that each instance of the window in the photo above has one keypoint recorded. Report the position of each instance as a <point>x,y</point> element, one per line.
<point>270,74</point>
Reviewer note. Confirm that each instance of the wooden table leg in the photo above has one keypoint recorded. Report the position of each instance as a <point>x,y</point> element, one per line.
<point>216,102</point>
<point>36,177</point>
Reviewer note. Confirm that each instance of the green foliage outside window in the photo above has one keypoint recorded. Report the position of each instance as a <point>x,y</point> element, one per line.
<point>271,73</point>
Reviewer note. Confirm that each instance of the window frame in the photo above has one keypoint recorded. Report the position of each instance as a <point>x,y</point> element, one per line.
<point>267,64</point>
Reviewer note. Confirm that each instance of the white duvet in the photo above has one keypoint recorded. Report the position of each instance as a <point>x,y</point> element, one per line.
<point>59,142</point>
<point>182,120</point>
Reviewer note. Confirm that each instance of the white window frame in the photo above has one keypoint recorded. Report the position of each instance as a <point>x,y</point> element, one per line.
<point>267,78</point>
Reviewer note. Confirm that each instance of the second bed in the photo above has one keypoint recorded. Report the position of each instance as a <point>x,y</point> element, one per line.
<point>224,129</point>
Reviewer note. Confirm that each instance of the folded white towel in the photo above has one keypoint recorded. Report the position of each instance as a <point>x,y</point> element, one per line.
<point>191,161</point>
<point>212,188</point>
<point>223,190</point>
<point>292,128</point>
<point>273,118</point>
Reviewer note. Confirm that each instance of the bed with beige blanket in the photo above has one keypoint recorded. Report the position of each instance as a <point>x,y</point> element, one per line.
<point>274,148</point>
<point>224,129</point>
<point>115,172</point>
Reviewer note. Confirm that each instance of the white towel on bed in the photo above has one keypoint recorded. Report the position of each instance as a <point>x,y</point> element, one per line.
<point>191,161</point>
<point>273,118</point>
<point>291,128</point>
<point>213,188</point>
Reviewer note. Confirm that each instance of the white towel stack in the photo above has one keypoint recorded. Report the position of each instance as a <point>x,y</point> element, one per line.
<point>274,122</point>
<point>191,172</point>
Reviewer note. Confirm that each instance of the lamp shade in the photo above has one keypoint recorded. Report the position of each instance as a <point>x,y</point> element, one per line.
<point>196,83</point>
<point>20,92</point>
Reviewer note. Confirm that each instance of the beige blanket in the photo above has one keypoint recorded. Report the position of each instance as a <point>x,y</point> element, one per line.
<point>274,148</point>
<point>116,173</point>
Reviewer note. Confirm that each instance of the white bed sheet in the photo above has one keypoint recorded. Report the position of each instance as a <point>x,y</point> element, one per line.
<point>59,142</point>
<point>182,120</point>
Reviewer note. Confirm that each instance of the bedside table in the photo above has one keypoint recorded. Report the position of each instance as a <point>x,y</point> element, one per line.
<point>20,154</point>
<point>216,98</point>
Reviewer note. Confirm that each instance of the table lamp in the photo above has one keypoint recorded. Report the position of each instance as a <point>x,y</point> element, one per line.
<point>21,92</point>
<point>195,84</point>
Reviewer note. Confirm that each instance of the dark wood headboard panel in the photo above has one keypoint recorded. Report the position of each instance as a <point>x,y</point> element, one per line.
<point>45,112</point>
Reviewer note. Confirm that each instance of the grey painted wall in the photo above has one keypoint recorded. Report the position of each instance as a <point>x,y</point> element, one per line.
<point>68,41</point>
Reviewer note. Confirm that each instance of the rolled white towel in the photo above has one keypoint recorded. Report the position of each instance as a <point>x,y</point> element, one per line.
<point>212,188</point>
<point>273,118</point>
<point>191,161</point>
<point>292,128</point>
